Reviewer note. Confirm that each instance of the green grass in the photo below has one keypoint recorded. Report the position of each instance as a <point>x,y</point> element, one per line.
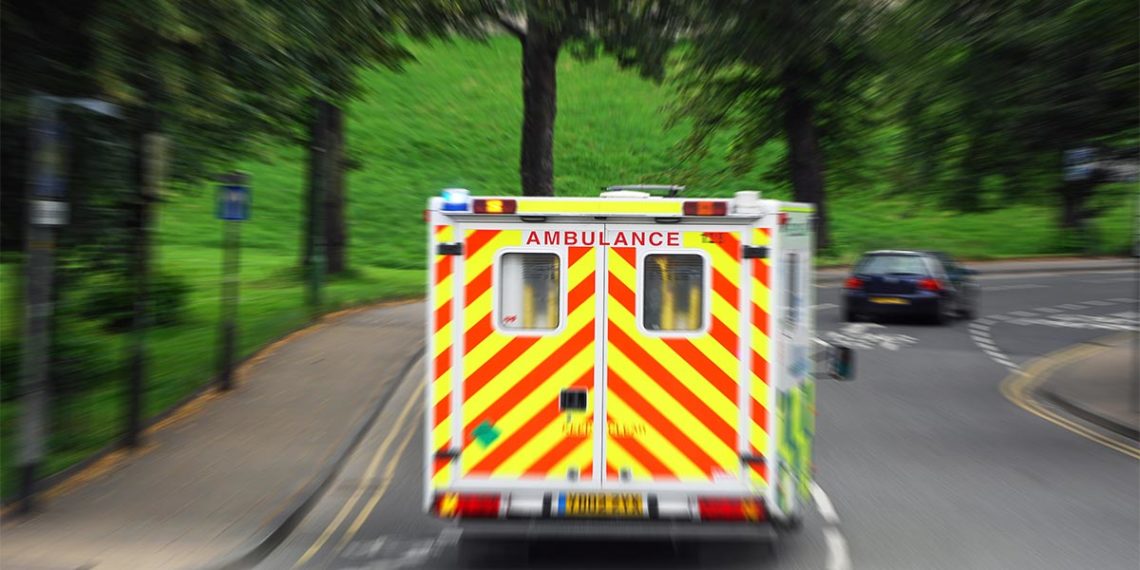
<point>453,119</point>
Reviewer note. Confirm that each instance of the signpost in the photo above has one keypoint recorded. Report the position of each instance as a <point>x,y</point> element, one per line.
<point>233,207</point>
<point>47,210</point>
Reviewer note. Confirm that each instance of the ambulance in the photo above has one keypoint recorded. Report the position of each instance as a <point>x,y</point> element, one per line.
<point>629,365</point>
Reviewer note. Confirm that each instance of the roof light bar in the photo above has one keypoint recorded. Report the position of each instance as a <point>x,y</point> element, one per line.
<point>495,206</point>
<point>705,208</point>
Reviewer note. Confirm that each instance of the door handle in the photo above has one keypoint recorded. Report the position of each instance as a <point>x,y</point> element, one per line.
<point>572,400</point>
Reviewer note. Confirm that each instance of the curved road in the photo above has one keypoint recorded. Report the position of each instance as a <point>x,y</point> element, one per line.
<point>924,462</point>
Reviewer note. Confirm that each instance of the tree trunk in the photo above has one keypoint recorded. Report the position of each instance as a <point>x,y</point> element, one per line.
<point>805,159</point>
<point>336,230</point>
<point>316,176</point>
<point>540,59</point>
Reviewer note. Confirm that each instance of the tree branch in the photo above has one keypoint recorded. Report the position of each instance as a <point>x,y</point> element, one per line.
<point>512,27</point>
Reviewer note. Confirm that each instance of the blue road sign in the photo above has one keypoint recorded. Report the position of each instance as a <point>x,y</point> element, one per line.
<point>233,202</point>
<point>1079,163</point>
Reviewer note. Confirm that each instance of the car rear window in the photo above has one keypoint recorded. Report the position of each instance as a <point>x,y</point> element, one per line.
<point>888,264</point>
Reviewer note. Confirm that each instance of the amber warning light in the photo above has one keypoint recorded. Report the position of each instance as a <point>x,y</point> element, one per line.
<point>489,206</point>
<point>705,208</point>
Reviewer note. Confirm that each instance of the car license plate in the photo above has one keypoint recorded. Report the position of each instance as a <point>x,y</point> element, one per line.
<point>603,505</point>
<point>889,301</point>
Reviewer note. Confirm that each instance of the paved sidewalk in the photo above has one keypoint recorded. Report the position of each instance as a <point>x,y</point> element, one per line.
<point>1100,388</point>
<point>214,481</point>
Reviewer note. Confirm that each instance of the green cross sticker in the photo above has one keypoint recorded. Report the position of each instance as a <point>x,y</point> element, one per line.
<point>486,433</point>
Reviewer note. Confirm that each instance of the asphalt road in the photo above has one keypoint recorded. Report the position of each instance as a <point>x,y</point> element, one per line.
<point>925,462</point>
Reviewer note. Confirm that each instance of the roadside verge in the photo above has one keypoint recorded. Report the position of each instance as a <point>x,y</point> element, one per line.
<point>223,482</point>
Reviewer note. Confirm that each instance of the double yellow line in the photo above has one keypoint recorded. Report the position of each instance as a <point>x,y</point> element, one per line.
<point>1018,388</point>
<point>414,402</point>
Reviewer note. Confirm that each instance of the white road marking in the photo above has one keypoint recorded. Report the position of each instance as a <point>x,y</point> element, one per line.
<point>979,330</point>
<point>838,556</point>
<point>1015,287</point>
<point>1123,300</point>
<point>859,336</point>
<point>825,306</point>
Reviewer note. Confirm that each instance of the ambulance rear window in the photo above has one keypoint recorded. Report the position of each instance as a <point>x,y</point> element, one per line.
<point>673,292</point>
<point>529,291</point>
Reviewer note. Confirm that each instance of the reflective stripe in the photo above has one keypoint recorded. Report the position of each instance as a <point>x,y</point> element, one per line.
<point>513,381</point>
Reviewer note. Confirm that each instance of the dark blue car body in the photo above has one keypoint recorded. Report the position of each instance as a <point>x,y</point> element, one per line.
<point>909,283</point>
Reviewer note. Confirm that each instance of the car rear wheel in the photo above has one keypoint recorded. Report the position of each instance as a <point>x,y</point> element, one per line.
<point>851,316</point>
<point>939,316</point>
<point>969,312</point>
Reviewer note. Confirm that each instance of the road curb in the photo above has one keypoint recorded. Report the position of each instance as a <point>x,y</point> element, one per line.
<point>1124,263</point>
<point>288,519</point>
<point>1024,389</point>
<point>1082,411</point>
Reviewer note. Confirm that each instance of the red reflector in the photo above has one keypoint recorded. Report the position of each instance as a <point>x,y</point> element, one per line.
<point>783,218</point>
<point>853,283</point>
<point>427,215</point>
<point>705,208</point>
<point>452,505</point>
<point>491,206</point>
<point>732,509</point>
<point>930,284</point>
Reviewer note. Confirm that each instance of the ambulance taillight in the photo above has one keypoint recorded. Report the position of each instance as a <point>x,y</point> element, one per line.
<point>495,206</point>
<point>461,505</point>
<point>731,509</point>
<point>705,208</point>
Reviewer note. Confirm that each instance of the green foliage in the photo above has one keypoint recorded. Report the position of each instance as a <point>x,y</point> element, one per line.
<point>452,121</point>
<point>109,298</point>
<point>745,58</point>
<point>1004,88</point>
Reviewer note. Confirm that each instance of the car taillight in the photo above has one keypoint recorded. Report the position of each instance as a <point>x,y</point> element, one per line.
<point>718,509</point>
<point>454,505</point>
<point>488,206</point>
<point>853,283</point>
<point>930,284</point>
<point>705,208</point>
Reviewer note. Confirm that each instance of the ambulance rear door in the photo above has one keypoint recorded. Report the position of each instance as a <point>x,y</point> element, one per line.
<point>686,384</point>
<point>526,350</point>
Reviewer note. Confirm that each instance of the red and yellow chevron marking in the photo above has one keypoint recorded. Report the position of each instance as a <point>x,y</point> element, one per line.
<point>761,297</point>
<point>672,407</point>
<point>513,381</point>
<point>439,363</point>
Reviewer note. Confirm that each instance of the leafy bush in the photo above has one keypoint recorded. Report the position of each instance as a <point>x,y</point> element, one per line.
<point>9,369</point>
<point>110,297</point>
<point>79,361</point>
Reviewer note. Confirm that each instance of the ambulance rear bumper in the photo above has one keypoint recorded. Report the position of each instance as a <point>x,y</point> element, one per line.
<point>618,530</point>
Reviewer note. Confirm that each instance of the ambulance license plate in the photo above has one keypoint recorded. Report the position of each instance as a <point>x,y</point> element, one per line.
<point>889,301</point>
<point>603,505</point>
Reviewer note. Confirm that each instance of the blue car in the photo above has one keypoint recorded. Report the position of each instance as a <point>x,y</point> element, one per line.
<point>924,284</point>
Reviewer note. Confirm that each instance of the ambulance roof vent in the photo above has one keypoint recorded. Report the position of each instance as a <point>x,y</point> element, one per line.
<point>747,202</point>
<point>625,194</point>
<point>642,190</point>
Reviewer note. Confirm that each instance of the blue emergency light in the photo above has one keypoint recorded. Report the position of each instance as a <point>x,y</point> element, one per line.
<point>456,200</point>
